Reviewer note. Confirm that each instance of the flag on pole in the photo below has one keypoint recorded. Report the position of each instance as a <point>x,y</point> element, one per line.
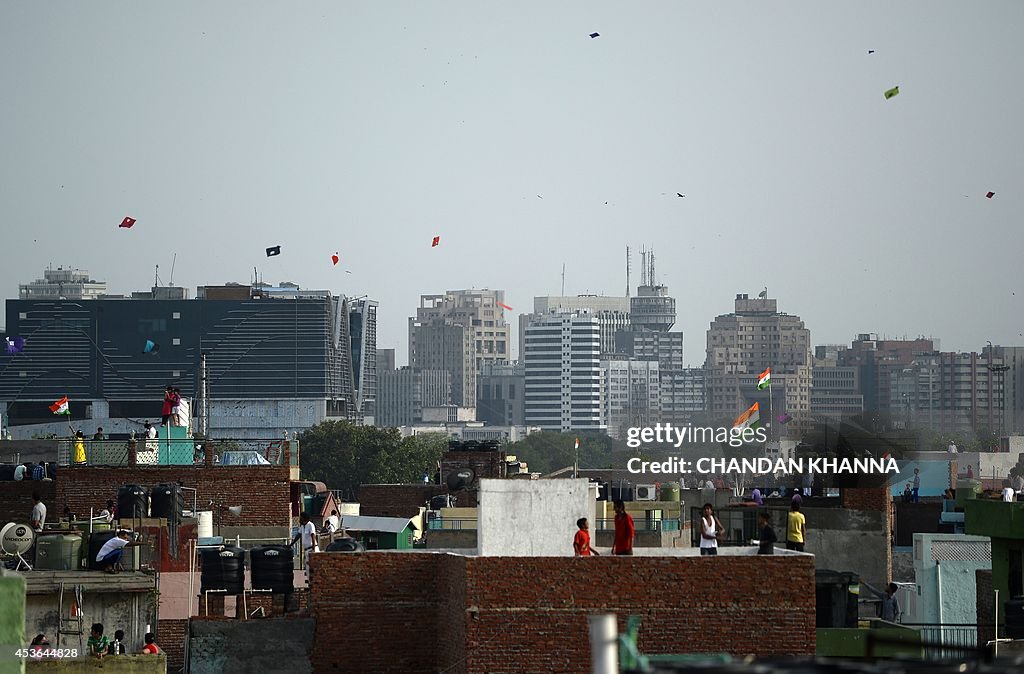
<point>749,419</point>
<point>61,406</point>
<point>577,445</point>
<point>764,379</point>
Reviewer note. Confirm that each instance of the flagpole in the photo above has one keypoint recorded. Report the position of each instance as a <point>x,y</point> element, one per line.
<point>771,406</point>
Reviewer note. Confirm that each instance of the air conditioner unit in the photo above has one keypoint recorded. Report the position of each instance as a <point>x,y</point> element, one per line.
<point>646,492</point>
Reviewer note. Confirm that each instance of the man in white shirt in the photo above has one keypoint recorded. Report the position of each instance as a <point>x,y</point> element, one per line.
<point>109,556</point>
<point>952,447</point>
<point>1009,496</point>
<point>38,512</point>
<point>331,525</point>
<point>307,532</point>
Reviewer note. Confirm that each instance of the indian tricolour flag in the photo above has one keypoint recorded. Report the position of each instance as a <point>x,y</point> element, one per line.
<point>764,379</point>
<point>61,406</point>
<point>749,419</point>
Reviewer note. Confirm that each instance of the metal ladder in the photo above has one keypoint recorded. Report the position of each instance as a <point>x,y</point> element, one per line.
<point>73,623</point>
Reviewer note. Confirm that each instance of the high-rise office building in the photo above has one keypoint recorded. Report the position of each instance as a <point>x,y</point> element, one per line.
<point>441,345</point>
<point>459,332</point>
<point>612,314</point>
<point>651,307</point>
<point>741,345</point>
<point>402,395</point>
<point>632,393</point>
<point>277,358</point>
<point>500,394</point>
<point>362,324</point>
<point>562,358</point>
<point>477,310</point>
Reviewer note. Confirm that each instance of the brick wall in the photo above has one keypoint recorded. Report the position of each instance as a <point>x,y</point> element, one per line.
<point>170,637</point>
<point>263,491</point>
<point>985,607</point>
<point>873,498</point>
<point>529,614</point>
<point>16,500</point>
<point>396,500</point>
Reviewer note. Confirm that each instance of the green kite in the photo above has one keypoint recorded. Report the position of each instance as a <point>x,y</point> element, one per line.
<point>891,92</point>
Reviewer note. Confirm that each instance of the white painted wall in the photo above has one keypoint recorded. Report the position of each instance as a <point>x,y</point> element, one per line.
<point>524,518</point>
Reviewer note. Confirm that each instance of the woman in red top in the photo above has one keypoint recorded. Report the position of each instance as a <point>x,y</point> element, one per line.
<point>581,542</point>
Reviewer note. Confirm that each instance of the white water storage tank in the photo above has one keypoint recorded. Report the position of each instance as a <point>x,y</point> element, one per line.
<point>205,524</point>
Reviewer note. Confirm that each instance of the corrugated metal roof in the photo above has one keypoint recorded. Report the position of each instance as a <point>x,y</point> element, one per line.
<point>391,525</point>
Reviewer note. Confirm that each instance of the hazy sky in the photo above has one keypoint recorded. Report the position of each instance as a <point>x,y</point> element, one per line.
<point>366,129</point>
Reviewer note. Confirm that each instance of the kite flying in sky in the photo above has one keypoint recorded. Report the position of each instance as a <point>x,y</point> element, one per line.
<point>503,305</point>
<point>437,240</point>
<point>335,258</point>
<point>990,195</point>
<point>15,344</point>
<point>891,92</point>
<point>593,35</point>
<point>127,222</point>
<point>273,250</point>
<point>150,347</point>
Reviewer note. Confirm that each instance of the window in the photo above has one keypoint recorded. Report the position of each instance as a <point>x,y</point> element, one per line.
<point>176,341</point>
<point>175,315</point>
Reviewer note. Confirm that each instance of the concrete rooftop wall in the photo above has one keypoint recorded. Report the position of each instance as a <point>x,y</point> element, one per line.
<point>531,517</point>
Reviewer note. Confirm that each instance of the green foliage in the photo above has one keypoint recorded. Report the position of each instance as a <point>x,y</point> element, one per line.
<point>344,455</point>
<point>548,451</point>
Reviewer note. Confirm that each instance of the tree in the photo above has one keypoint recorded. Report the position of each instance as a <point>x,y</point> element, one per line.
<point>344,455</point>
<point>549,451</point>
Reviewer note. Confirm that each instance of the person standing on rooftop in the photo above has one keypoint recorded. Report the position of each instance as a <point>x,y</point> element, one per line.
<point>624,530</point>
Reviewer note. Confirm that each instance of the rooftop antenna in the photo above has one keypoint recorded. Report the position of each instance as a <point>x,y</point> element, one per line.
<point>643,266</point>
<point>653,282</point>
<point>170,281</point>
<point>156,277</point>
<point>563,279</point>
<point>627,271</point>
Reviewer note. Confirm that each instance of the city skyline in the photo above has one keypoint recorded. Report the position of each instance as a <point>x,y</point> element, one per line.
<point>525,145</point>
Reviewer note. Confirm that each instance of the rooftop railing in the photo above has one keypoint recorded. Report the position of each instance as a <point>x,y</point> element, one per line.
<point>178,452</point>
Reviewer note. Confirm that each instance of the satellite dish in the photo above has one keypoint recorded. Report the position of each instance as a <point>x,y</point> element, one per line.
<point>16,539</point>
<point>460,480</point>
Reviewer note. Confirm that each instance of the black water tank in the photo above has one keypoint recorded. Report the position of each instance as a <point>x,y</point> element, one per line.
<point>346,545</point>
<point>166,500</point>
<point>1014,612</point>
<point>272,568</point>
<point>132,501</point>
<point>223,569</point>
<point>96,541</point>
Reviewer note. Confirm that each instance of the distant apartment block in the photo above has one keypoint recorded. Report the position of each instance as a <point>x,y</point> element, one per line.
<point>835,391</point>
<point>741,345</point>
<point>62,284</point>
<point>403,394</point>
<point>921,387</point>
<point>476,310</point>
<point>563,373</point>
<point>1013,387</point>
